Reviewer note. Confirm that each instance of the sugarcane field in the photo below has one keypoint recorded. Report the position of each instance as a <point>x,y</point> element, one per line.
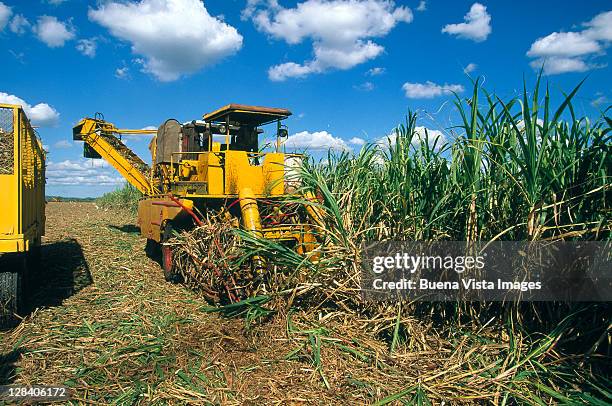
<point>417,213</point>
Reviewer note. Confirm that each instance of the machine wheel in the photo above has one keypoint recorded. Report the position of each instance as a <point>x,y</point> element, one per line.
<point>12,292</point>
<point>166,258</point>
<point>153,249</point>
<point>167,262</point>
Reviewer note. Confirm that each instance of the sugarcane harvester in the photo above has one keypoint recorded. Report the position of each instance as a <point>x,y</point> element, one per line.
<point>208,165</point>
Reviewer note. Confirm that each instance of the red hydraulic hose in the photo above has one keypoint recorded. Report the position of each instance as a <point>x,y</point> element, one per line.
<point>187,209</point>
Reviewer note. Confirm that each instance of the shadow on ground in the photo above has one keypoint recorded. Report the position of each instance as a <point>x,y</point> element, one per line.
<point>62,272</point>
<point>8,366</point>
<point>126,228</point>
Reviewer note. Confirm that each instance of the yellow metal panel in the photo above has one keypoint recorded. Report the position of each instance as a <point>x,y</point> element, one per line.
<point>10,199</point>
<point>213,174</point>
<point>12,245</point>
<point>153,212</point>
<point>146,217</point>
<point>274,173</point>
<point>263,180</point>
<point>8,205</point>
<point>239,174</point>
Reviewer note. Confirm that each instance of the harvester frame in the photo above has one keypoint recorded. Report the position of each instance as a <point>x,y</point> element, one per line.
<point>203,165</point>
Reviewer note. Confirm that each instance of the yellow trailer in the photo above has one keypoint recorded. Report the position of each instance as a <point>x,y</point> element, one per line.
<point>22,205</point>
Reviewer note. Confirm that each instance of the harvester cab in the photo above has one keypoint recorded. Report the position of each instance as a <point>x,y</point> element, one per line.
<point>233,127</point>
<point>213,156</point>
<point>241,125</point>
<point>213,165</point>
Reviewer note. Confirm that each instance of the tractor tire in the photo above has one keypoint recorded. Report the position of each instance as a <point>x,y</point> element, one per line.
<point>153,249</point>
<point>167,261</point>
<point>167,265</point>
<point>12,293</point>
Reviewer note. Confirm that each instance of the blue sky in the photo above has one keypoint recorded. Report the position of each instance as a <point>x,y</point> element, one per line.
<point>348,69</point>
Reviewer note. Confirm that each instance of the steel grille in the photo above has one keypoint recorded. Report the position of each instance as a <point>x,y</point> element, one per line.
<point>6,141</point>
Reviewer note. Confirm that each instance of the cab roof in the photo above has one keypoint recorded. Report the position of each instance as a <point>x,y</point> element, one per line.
<point>252,115</point>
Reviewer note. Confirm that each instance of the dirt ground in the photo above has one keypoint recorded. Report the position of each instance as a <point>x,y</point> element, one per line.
<point>104,322</point>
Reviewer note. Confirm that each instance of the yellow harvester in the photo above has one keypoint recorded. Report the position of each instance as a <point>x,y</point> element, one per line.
<point>210,164</point>
<point>22,206</point>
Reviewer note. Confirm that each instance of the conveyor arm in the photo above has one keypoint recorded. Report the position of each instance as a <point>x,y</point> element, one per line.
<point>101,136</point>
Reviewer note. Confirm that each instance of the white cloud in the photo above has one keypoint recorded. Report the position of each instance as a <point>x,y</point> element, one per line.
<point>601,99</point>
<point>82,172</point>
<point>573,51</point>
<point>63,144</point>
<point>252,5</point>
<point>340,31</point>
<point>556,65</point>
<point>5,15</point>
<point>420,135</point>
<point>122,73</point>
<point>87,47</point>
<point>477,25</point>
<point>53,32</point>
<point>175,37</point>
<point>41,114</point>
<point>375,71</point>
<point>319,140</point>
<point>432,136</point>
<point>471,67</point>
<point>357,141</point>
<point>283,71</point>
<point>19,24</point>
<point>563,44</point>
<point>600,27</point>
<point>365,86</point>
<point>429,90</point>
<point>422,6</point>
